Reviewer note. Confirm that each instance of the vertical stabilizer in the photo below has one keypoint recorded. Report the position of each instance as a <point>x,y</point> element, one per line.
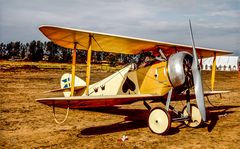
<point>65,82</point>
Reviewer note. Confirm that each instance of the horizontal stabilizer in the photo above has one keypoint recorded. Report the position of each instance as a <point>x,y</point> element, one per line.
<point>178,97</point>
<point>66,89</point>
<point>66,83</point>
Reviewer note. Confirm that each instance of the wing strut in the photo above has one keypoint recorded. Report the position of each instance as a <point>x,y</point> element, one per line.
<point>201,65</point>
<point>89,54</point>
<point>74,55</point>
<point>213,71</point>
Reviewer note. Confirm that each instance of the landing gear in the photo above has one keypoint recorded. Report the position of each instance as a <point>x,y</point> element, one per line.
<point>159,120</point>
<point>195,118</point>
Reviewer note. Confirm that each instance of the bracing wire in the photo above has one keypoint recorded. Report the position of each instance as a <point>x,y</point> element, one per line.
<point>210,102</point>
<point>119,72</point>
<point>98,44</point>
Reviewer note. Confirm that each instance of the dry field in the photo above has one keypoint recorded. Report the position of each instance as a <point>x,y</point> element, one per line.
<point>28,124</point>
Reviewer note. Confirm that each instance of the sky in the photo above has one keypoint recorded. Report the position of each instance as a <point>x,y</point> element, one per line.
<point>216,23</point>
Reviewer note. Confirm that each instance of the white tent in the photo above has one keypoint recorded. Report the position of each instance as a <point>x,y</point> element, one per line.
<point>224,63</point>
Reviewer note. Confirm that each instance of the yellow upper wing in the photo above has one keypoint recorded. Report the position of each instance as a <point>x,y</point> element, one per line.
<point>66,37</point>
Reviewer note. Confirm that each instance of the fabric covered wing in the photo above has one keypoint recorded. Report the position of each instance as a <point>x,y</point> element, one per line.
<point>208,93</point>
<point>177,97</point>
<point>77,102</point>
<point>66,37</point>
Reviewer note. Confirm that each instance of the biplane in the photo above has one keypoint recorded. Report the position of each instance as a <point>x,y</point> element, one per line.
<point>164,72</point>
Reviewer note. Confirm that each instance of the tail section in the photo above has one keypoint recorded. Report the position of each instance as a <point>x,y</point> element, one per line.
<point>65,83</point>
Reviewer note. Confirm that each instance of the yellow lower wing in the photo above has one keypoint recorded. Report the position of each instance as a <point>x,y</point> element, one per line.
<point>77,102</point>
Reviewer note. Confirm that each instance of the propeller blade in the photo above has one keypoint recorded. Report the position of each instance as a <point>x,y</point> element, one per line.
<point>197,79</point>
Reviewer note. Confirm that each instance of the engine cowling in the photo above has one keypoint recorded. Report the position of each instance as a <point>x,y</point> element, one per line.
<point>179,70</point>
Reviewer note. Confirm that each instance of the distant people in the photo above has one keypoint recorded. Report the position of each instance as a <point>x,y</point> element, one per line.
<point>148,58</point>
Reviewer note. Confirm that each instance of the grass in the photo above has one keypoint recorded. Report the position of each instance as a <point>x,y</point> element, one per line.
<point>53,65</point>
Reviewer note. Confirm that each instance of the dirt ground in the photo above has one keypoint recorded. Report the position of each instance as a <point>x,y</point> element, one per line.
<point>26,123</point>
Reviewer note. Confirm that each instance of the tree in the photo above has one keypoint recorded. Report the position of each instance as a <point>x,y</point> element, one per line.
<point>39,51</point>
<point>22,51</point>
<point>112,58</point>
<point>16,48</point>
<point>66,55</point>
<point>32,51</point>
<point>2,50</point>
<point>9,50</point>
<point>52,49</point>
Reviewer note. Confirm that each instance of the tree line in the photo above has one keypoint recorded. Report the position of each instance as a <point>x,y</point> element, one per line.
<point>48,51</point>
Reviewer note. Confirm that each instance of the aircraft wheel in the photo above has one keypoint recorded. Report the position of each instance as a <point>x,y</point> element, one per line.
<point>159,120</point>
<point>195,118</point>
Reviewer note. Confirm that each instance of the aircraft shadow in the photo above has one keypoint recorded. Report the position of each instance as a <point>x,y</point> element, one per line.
<point>137,118</point>
<point>117,110</point>
<point>217,112</point>
<point>118,127</point>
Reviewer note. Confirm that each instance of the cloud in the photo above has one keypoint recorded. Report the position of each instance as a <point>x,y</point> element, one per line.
<point>217,21</point>
<point>227,13</point>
